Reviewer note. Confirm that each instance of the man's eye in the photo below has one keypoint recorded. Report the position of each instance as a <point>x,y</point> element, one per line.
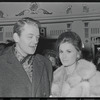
<point>60,51</point>
<point>30,37</point>
<point>69,51</point>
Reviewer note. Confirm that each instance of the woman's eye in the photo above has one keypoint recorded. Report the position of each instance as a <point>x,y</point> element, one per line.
<point>60,51</point>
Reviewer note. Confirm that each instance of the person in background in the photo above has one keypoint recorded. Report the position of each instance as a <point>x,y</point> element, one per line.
<point>76,77</point>
<point>87,55</point>
<point>10,42</point>
<point>52,56</point>
<point>22,72</point>
<point>5,46</point>
<point>2,47</point>
<point>97,60</point>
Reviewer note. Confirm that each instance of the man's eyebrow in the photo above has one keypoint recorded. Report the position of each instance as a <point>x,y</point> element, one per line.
<point>30,34</point>
<point>33,34</point>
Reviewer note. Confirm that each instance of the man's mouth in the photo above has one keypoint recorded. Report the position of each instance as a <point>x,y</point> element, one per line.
<point>33,46</point>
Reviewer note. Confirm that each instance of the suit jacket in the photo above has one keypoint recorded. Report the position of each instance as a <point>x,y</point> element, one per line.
<point>14,81</point>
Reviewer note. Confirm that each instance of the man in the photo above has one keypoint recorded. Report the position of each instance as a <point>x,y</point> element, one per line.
<point>52,56</point>
<point>22,72</point>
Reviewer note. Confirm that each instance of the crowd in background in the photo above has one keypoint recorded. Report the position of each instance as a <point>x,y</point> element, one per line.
<point>5,46</point>
<point>51,54</point>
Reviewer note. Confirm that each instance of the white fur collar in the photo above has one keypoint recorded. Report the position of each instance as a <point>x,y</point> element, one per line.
<point>84,68</point>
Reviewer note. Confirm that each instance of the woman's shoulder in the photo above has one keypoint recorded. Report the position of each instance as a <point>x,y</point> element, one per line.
<point>95,80</point>
<point>86,69</point>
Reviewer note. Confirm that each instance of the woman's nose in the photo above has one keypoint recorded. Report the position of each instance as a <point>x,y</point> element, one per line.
<point>64,55</point>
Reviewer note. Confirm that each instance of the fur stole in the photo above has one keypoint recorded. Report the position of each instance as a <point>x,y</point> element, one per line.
<point>65,86</point>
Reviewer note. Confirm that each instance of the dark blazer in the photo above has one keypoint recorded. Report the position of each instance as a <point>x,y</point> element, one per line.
<point>14,81</point>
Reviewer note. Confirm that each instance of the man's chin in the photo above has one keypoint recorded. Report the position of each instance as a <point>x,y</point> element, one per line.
<point>31,52</point>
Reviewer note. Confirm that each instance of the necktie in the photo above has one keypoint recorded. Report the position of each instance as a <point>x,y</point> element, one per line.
<point>27,63</point>
<point>28,66</point>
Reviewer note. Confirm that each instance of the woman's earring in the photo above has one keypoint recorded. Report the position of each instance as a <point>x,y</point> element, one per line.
<point>78,57</point>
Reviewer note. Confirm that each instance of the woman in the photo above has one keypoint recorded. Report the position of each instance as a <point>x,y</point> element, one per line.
<point>97,60</point>
<point>76,76</point>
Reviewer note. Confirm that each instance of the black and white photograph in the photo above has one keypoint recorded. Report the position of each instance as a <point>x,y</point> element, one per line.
<point>49,49</point>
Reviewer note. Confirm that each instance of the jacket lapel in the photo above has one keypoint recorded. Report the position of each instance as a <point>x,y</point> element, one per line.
<point>17,68</point>
<point>38,67</point>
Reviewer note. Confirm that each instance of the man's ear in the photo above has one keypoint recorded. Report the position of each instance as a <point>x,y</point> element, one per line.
<point>16,37</point>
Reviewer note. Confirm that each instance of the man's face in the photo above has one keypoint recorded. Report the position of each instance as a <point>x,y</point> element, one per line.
<point>28,40</point>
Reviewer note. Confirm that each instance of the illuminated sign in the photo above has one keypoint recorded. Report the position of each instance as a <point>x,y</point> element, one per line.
<point>43,31</point>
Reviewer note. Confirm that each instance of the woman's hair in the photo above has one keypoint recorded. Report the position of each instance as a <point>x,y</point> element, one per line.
<point>70,37</point>
<point>20,24</point>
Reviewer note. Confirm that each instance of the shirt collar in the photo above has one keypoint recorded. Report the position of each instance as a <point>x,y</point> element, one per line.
<point>23,59</point>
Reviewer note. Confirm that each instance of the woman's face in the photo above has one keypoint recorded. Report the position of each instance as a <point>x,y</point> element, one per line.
<point>68,54</point>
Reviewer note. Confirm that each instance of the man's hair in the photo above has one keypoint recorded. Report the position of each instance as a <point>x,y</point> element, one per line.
<point>20,24</point>
<point>70,37</point>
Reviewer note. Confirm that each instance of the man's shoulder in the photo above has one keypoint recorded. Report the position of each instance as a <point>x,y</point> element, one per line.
<point>3,59</point>
<point>47,65</point>
<point>41,57</point>
<point>44,60</point>
<point>5,54</point>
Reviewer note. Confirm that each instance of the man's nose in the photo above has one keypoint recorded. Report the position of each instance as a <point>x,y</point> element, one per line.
<point>35,40</point>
